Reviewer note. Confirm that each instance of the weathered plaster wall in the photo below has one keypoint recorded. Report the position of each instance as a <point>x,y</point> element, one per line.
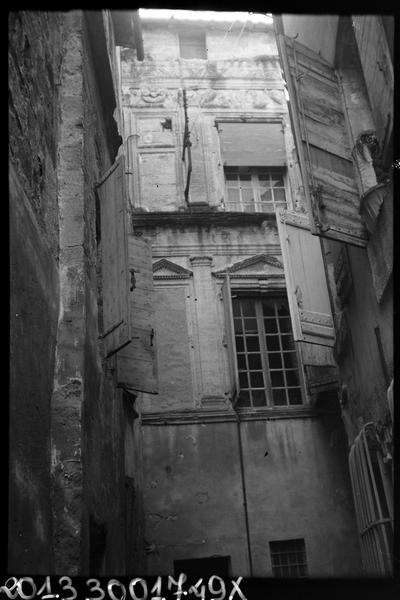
<point>240,78</point>
<point>194,499</point>
<point>35,54</point>
<point>189,320</point>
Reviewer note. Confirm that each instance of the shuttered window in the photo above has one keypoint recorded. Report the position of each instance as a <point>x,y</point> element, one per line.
<point>114,255</point>
<point>319,125</point>
<point>136,363</point>
<point>309,301</point>
<point>252,144</point>
<point>372,491</point>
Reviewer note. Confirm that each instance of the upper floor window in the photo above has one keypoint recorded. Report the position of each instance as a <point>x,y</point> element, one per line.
<point>266,354</point>
<point>192,45</point>
<point>254,157</point>
<point>254,189</point>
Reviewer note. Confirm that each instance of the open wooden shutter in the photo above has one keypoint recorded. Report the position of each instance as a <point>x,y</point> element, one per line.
<point>229,339</point>
<point>308,296</point>
<point>319,123</point>
<point>136,363</point>
<point>252,144</point>
<point>114,253</point>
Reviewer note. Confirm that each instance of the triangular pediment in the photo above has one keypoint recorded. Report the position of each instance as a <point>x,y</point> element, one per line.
<point>167,268</point>
<point>261,264</point>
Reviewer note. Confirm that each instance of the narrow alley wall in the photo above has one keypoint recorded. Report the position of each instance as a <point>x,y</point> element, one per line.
<point>35,57</point>
<point>71,464</point>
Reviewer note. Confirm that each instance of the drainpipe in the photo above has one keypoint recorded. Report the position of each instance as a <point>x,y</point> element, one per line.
<point>246,512</point>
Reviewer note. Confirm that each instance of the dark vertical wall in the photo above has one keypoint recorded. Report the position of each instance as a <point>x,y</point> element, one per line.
<point>68,497</point>
<point>35,53</point>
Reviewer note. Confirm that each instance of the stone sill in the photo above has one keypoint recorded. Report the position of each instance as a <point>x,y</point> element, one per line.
<point>204,217</point>
<point>184,417</point>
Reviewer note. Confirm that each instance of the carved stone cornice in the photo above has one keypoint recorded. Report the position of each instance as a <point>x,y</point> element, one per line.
<point>186,218</point>
<point>248,262</point>
<point>174,271</point>
<point>184,417</point>
<point>201,261</point>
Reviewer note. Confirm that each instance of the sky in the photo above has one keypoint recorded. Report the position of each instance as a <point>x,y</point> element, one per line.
<point>199,15</point>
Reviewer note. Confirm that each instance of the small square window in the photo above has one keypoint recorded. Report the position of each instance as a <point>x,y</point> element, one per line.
<point>288,558</point>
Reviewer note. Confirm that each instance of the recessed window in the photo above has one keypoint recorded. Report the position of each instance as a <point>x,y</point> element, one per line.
<point>254,189</point>
<point>267,359</point>
<point>192,45</point>
<point>288,558</point>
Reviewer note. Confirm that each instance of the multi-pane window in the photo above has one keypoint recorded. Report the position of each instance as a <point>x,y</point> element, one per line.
<point>288,558</point>
<point>251,189</point>
<point>266,354</point>
<point>192,45</point>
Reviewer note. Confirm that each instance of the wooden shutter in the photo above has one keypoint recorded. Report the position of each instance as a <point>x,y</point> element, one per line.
<point>252,144</point>
<point>229,339</point>
<point>309,302</point>
<point>136,363</point>
<point>324,148</point>
<point>114,253</point>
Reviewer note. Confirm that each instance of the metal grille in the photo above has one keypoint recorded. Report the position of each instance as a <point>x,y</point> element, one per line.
<point>254,190</point>
<point>372,491</point>
<point>266,355</point>
<point>288,558</point>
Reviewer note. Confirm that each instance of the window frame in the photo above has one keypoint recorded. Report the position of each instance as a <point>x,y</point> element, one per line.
<point>266,369</point>
<point>275,553</point>
<point>257,203</point>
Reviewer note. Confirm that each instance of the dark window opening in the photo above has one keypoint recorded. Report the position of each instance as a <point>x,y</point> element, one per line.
<point>166,124</point>
<point>192,45</point>
<point>204,567</point>
<point>288,558</point>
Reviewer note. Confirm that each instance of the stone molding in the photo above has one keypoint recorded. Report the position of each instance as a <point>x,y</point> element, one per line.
<point>201,261</point>
<point>248,262</point>
<point>183,417</point>
<point>208,219</point>
<point>176,271</point>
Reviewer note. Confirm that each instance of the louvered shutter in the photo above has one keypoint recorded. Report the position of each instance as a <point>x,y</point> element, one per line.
<point>309,302</point>
<point>252,144</point>
<point>324,148</point>
<point>229,339</point>
<point>114,253</point>
<point>136,363</point>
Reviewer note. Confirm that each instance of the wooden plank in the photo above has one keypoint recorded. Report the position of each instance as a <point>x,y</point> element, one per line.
<point>136,363</point>
<point>252,144</point>
<point>319,124</point>
<point>307,290</point>
<point>113,224</point>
